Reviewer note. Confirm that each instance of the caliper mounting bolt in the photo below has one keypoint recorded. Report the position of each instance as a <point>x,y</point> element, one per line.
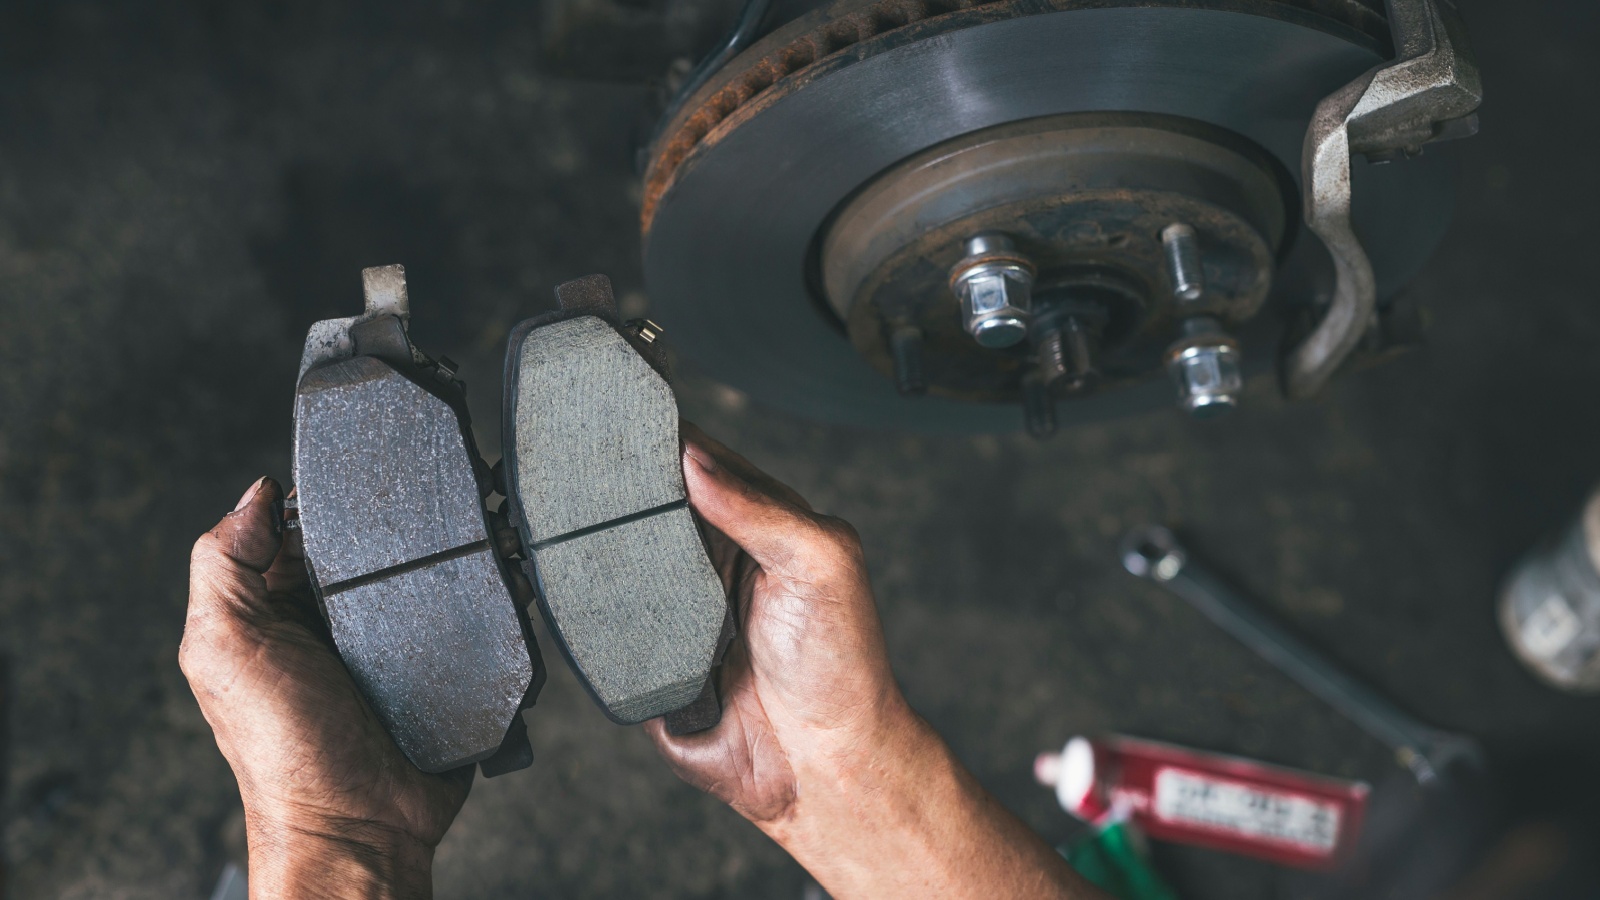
<point>994,283</point>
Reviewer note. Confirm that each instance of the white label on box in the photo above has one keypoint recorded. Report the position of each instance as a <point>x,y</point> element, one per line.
<point>1246,811</point>
<point>1550,627</point>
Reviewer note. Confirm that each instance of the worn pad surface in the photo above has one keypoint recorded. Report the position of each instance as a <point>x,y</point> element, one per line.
<point>395,537</point>
<point>595,475</point>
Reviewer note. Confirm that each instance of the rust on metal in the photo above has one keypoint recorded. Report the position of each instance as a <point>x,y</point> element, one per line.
<point>850,31</point>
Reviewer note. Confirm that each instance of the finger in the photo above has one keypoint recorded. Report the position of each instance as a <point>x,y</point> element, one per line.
<point>744,468</point>
<point>656,729</point>
<point>725,555</point>
<point>287,574</point>
<point>229,562</point>
<point>770,529</point>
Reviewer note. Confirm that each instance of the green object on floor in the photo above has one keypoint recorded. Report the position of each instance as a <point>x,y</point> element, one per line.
<point>1111,858</point>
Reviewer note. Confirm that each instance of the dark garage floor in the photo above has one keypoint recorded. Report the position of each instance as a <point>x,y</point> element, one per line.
<point>184,188</point>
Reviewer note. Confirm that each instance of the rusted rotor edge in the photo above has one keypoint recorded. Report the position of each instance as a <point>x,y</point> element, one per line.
<point>850,31</point>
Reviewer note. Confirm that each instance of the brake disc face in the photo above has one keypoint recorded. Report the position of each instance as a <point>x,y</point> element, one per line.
<point>784,225</point>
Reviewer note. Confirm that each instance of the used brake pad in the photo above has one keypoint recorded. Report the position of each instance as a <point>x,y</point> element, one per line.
<point>594,481</point>
<point>399,544</point>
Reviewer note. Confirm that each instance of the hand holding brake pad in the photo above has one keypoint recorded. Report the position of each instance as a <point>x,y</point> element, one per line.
<point>398,541</point>
<point>595,483</point>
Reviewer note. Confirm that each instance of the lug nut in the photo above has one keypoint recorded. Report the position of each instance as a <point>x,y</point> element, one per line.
<point>905,346</point>
<point>1204,364</point>
<point>994,284</point>
<point>1182,248</point>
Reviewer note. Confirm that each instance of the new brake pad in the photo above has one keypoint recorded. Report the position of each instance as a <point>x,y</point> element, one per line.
<point>399,545</point>
<point>595,487</point>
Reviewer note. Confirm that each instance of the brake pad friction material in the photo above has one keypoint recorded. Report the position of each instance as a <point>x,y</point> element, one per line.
<point>591,412</point>
<point>367,507</point>
<point>396,631</point>
<point>397,546</point>
<point>597,485</point>
<point>625,598</point>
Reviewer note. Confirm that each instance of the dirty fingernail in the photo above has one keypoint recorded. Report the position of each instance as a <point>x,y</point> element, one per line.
<point>250,494</point>
<point>702,458</point>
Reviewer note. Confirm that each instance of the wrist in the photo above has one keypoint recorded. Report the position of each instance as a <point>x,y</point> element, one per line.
<point>336,859</point>
<point>902,817</point>
<point>873,800</point>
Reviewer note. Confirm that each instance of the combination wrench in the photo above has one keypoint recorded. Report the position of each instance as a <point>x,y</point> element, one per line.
<point>1153,553</point>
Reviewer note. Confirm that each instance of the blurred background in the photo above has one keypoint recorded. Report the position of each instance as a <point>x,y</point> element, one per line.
<point>186,186</point>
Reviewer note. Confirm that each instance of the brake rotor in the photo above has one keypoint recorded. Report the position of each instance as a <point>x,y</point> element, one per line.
<point>807,195</point>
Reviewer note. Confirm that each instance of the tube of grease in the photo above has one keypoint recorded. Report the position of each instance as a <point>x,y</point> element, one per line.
<point>1209,800</point>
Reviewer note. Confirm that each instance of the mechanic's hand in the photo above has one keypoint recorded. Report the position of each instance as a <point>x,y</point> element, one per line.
<point>332,807</point>
<point>817,746</point>
<point>807,680</point>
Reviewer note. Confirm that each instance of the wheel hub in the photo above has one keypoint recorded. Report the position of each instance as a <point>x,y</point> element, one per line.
<point>1085,197</point>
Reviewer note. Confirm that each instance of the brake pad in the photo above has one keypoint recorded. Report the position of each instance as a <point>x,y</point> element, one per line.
<point>595,486</point>
<point>400,545</point>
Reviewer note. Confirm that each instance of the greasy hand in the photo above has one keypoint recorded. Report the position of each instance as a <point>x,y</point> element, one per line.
<point>807,681</point>
<point>324,787</point>
<point>817,746</point>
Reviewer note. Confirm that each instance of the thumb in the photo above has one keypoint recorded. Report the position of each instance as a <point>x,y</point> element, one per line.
<point>232,557</point>
<point>768,528</point>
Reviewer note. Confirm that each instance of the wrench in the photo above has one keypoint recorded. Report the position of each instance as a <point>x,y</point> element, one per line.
<point>1152,552</point>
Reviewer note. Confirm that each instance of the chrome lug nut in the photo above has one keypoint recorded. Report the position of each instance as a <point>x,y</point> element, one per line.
<point>994,284</point>
<point>1204,364</point>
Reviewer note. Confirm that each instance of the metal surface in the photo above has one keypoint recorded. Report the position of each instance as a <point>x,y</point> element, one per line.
<point>1086,197</point>
<point>384,290</point>
<point>391,508</point>
<point>1184,271</point>
<point>383,294</point>
<point>1390,111</point>
<point>744,33</point>
<point>1549,606</point>
<point>994,285</point>
<point>1152,552</point>
<point>731,213</point>
<point>1065,357</point>
<point>1204,364</point>
<point>819,36</point>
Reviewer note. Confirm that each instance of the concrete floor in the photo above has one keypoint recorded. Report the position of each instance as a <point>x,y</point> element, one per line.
<point>184,188</point>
